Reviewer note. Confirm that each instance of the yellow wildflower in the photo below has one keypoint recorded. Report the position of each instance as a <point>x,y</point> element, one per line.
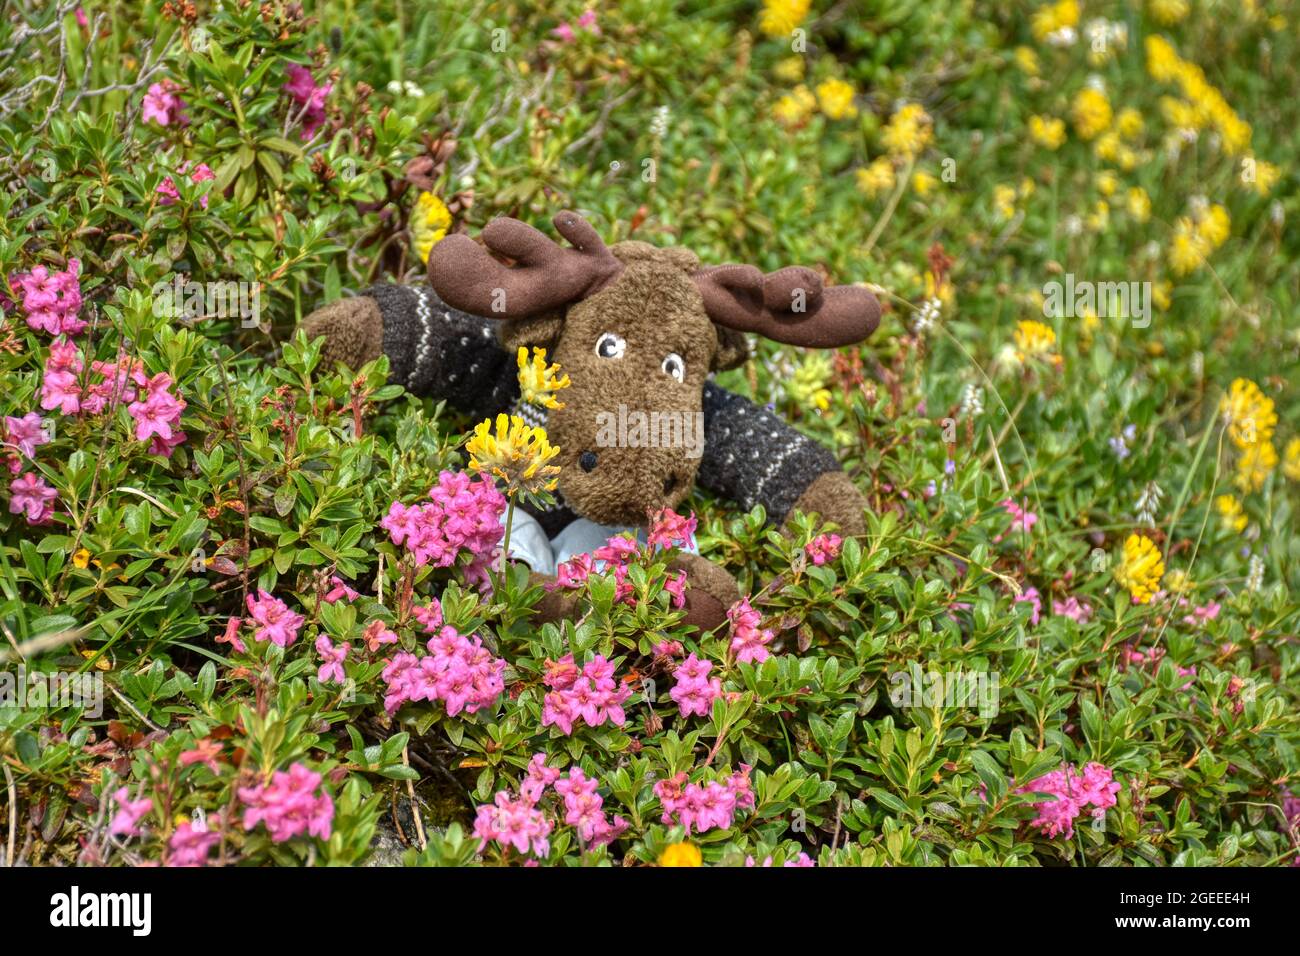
<point>681,854</point>
<point>876,178</point>
<point>1264,176</point>
<point>1107,182</point>
<point>836,99</point>
<point>790,69</point>
<point>1090,112</point>
<point>1099,219</point>
<point>807,387</point>
<point>1256,463</point>
<point>1004,201</point>
<point>1139,204</point>
<point>1054,17</point>
<point>430,220</point>
<point>908,132</point>
<point>1047,131</point>
<point>1248,413</point>
<point>1140,569</point>
<point>538,382</point>
<point>1215,226</point>
<point>1163,61</point>
<point>1108,146</point>
<point>1188,249</point>
<point>923,182</point>
<point>1168,11</point>
<point>515,452</point>
<point>1162,294</point>
<point>795,107</point>
<point>1033,339</point>
<point>81,559</point>
<point>1128,122</point>
<point>780,18</point>
<point>1291,460</point>
<point>1231,514</point>
<point>1027,60</point>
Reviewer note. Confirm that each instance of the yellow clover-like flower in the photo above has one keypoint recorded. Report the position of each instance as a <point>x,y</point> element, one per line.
<point>1034,340</point>
<point>780,17</point>
<point>516,452</point>
<point>836,99</point>
<point>538,382</point>
<point>1248,412</point>
<point>1140,569</point>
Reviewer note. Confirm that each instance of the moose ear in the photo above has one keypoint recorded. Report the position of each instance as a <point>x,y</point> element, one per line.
<point>733,349</point>
<point>539,331</point>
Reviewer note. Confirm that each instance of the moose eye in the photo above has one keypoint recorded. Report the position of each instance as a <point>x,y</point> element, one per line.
<point>610,346</point>
<point>675,366</point>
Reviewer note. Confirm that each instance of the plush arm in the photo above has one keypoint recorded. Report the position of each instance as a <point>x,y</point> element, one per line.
<point>754,457</point>
<point>433,350</point>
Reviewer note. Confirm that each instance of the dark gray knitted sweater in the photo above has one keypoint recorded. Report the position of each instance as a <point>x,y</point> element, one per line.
<point>751,456</point>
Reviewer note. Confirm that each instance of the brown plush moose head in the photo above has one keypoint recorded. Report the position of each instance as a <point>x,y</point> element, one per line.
<point>637,329</point>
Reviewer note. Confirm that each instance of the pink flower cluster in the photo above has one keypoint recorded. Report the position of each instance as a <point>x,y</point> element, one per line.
<point>667,530</point>
<point>458,671</point>
<point>163,105</point>
<point>748,640</point>
<point>519,822</point>
<point>23,435</point>
<point>339,590</point>
<point>308,98</point>
<point>1074,609</point>
<point>584,810</point>
<point>586,22</point>
<point>289,805</point>
<point>275,622</point>
<point>1072,792</point>
<point>590,693</point>
<point>51,299</point>
<point>463,514</point>
<point>156,411</point>
<point>703,807</point>
<point>332,658</point>
<point>126,822</point>
<point>694,691</point>
<point>170,194</point>
<point>1022,520</point>
<point>1130,656</point>
<point>803,860</point>
<point>1031,597</point>
<point>823,548</point>
<point>190,845</point>
<point>29,495</point>
<point>1201,614</point>
<point>157,414</point>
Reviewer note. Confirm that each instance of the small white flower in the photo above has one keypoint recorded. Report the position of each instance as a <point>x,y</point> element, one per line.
<point>926,316</point>
<point>659,123</point>
<point>1095,82</point>
<point>1066,36</point>
<point>1148,504</point>
<point>1255,576</point>
<point>972,401</point>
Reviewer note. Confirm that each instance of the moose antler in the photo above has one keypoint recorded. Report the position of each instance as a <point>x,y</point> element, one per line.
<point>789,305</point>
<point>546,275</point>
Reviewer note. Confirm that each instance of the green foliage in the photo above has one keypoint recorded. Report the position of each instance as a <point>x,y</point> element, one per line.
<point>660,127</point>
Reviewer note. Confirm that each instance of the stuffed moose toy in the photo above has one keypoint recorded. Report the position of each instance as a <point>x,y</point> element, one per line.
<point>631,325</point>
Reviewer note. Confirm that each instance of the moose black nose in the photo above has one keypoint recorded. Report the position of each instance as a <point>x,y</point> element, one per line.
<point>587,460</point>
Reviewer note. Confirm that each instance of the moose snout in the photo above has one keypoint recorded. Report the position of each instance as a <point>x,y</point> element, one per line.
<point>587,461</point>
